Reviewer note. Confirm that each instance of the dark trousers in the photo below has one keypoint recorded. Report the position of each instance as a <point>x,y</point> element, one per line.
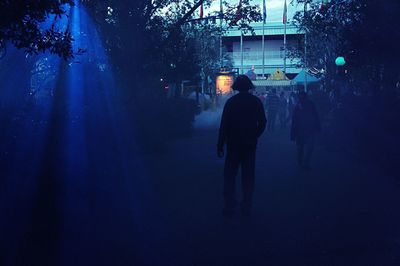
<point>245,158</point>
<point>271,119</point>
<point>305,148</point>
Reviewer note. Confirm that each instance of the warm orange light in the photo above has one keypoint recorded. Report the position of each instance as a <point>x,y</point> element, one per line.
<point>224,84</point>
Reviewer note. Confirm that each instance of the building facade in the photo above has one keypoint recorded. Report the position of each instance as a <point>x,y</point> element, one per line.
<point>274,49</point>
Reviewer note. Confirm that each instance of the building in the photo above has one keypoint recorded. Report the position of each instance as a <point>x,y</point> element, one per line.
<point>274,49</point>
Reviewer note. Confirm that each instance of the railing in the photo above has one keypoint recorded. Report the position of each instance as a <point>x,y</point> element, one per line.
<point>257,55</point>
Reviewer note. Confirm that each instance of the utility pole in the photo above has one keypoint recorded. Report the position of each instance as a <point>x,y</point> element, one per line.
<point>263,40</point>
<point>221,16</point>
<point>305,50</point>
<point>241,52</point>
<point>284,37</point>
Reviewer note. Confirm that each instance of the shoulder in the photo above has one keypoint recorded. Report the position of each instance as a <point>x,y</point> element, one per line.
<point>230,101</point>
<point>254,98</point>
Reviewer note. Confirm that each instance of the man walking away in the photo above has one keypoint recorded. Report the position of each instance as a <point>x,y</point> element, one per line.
<point>305,126</point>
<point>243,121</point>
<point>272,103</point>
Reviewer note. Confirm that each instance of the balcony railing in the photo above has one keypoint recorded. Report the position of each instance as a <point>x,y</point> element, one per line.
<point>270,57</point>
<point>257,55</point>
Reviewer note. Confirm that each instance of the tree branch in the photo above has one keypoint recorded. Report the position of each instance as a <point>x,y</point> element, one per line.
<point>188,14</point>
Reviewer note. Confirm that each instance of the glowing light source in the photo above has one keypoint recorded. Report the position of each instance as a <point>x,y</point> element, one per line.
<point>340,61</point>
<point>224,84</point>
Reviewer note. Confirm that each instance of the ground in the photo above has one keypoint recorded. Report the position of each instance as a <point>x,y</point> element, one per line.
<point>339,213</point>
<point>107,206</point>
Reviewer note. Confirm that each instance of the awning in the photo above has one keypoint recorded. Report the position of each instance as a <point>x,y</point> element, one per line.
<point>301,78</point>
<point>273,83</point>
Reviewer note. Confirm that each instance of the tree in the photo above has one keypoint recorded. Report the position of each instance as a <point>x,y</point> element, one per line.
<point>155,34</point>
<point>149,41</point>
<point>326,34</point>
<point>360,31</point>
<point>146,41</point>
<point>363,32</point>
<point>22,24</point>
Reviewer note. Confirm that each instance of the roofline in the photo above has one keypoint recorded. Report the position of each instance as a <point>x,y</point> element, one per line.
<point>270,28</point>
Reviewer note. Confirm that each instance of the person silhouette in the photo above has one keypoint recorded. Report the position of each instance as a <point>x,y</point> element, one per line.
<point>305,126</point>
<point>242,123</point>
<point>272,103</point>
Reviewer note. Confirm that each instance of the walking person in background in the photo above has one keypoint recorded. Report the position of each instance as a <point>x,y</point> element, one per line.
<point>272,104</point>
<point>242,123</point>
<point>282,110</point>
<point>291,104</point>
<point>252,73</point>
<point>305,126</point>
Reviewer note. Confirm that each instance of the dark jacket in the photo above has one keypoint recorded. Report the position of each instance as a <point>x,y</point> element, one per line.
<point>243,121</point>
<point>305,121</point>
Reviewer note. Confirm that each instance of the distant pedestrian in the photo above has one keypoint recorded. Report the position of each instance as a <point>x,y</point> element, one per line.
<point>305,126</point>
<point>282,110</point>
<point>272,104</point>
<point>243,121</point>
<point>290,105</point>
<point>263,98</point>
<point>252,73</point>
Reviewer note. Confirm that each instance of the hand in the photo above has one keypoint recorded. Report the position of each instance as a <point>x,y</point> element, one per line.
<point>220,153</point>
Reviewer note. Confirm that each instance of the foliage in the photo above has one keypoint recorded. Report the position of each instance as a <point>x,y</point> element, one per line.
<point>159,35</point>
<point>243,16</point>
<point>149,41</point>
<point>326,33</point>
<point>359,30</point>
<point>153,33</point>
<point>22,24</point>
<point>364,33</point>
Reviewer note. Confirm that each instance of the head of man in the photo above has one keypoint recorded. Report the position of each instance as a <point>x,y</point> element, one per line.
<point>242,84</point>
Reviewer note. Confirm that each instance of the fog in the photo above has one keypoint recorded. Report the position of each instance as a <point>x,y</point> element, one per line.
<point>102,166</point>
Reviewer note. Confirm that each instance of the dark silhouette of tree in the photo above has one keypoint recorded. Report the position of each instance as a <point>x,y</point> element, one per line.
<point>155,33</point>
<point>361,31</point>
<point>150,41</point>
<point>364,33</point>
<point>21,23</point>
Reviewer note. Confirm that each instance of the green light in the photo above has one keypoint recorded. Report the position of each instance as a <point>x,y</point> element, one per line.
<point>340,61</point>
